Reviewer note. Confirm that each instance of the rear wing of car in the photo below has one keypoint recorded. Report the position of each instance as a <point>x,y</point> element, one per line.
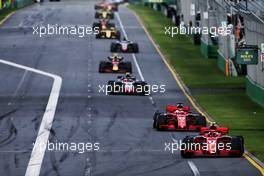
<point>223,130</point>
<point>170,108</point>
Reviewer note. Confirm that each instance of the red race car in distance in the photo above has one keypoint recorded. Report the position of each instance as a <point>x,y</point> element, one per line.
<point>106,6</point>
<point>212,142</point>
<point>178,117</point>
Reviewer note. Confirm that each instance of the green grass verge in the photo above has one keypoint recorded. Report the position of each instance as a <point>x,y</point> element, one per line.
<point>4,13</point>
<point>233,109</point>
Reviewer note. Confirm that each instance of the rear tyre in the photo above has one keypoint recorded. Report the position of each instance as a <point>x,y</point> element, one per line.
<point>160,121</point>
<point>202,121</point>
<point>157,113</point>
<point>102,67</point>
<point>98,36</point>
<point>113,47</point>
<point>135,46</point>
<point>237,143</point>
<point>112,16</point>
<point>186,143</point>
<point>129,67</point>
<point>118,35</point>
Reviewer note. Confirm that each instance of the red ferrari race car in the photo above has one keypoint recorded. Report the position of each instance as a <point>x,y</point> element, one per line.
<point>179,118</point>
<point>103,24</point>
<point>125,46</point>
<point>127,85</point>
<point>106,6</point>
<point>212,142</point>
<point>115,65</point>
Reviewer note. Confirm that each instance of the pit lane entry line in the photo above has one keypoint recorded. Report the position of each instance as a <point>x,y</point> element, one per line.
<point>39,148</point>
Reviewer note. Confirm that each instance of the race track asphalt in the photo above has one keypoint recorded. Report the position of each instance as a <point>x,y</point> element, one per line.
<point>121,124</point>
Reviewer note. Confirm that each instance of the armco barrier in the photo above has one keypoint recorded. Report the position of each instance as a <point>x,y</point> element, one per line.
<point>221,62</point>
<point>209,51</point>
<point>22,3</point>
<point>255,92</point>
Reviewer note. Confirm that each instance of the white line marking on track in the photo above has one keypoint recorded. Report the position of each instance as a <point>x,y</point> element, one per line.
<point>38,151</point>
<point>133,55</point>
<point>194,168</point>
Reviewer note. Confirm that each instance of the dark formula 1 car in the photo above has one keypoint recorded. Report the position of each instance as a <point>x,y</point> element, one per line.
<point>212,142</point>
<point>124,46</point>
<point>127,85</point>
<point>103,24</point>
<point>108,33</point>
<point>178,118</point>
<point>106,6</point>
<point>104,14</point>
<point>115,65</point>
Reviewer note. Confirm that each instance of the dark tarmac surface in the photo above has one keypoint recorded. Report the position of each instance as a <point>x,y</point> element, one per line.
<point>121,124</point>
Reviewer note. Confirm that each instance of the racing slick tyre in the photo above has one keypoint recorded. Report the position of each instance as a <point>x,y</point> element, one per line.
<point>113,47</point>
<point>118,35</point>
<point>160,121</point>
<point>98,36</point>
<point>156,115</point>
<point>96,7</point>
<point>128,67</point>
<point>96,15</point>
<point>111,25</point>
<point>135,47</point>
<point>102,66</point>
<point>112,16</point>
<point>186,142</point>
<point>96,25</point>
<point>201,121</point>
<point>237,143</point>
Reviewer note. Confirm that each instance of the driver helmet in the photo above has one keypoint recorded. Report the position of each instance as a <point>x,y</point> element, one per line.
<point>212,126</point>
<point>128,75</point>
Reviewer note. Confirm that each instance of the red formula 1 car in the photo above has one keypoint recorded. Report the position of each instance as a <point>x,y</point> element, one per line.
<point>212,142</point>
<point>115,65</point>
<point>106,6</point>
<point>178,117</point>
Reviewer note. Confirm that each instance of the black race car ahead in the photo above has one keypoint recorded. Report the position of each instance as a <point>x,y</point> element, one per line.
<point>125,46</point>
<point>107,6</point>
<point>104,14</point>
<point>115,65</point>
<point>127,85</point>
<point>108,33</point>
<point>103,24</point>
